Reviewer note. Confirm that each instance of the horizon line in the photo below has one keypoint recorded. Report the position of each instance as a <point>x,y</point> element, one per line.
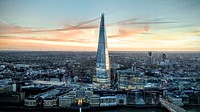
<point>96,51</point>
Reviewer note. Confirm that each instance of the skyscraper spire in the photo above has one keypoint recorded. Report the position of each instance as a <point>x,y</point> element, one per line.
<point>102,77</point>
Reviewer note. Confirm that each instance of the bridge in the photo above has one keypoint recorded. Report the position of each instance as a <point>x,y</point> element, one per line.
<point>170,106</point>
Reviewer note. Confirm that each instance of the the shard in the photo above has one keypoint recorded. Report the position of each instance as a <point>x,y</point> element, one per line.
<point>102,77</point>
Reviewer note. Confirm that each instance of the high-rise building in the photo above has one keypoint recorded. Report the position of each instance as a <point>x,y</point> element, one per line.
<point>102,77</point>
<point>164,56</point>
<point>150,58</point>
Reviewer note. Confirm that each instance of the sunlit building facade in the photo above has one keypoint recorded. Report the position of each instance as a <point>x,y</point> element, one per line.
<point>102,77</point>
<point>129,80</point>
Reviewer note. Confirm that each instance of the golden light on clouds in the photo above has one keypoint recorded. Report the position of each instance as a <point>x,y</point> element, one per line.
<point>85,38</point>
<point>74,25</point>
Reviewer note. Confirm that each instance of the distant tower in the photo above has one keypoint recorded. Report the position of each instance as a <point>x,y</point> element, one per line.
<point>102,77</point>
<point>164,56</point>
<point>133,68</point>
<point>150,57</point>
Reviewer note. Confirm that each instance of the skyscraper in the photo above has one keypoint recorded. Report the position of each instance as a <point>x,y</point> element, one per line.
<point>102,77</point>
<point>150,57</point>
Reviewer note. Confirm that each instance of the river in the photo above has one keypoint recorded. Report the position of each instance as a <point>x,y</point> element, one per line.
<point>189,109</point>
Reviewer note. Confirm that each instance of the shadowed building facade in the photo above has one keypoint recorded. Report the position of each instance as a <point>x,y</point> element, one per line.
<point>102,77</point>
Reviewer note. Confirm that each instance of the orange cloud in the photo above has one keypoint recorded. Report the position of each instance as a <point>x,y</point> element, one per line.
<point>74,34</point>
<point>126,33</point>
<point>88,21</point>
<point>7,29</point>
<point>37,44</point>
<point>83,37</point>
<point>71,36</point>
<point>12,29</point>
<point>67,28</point>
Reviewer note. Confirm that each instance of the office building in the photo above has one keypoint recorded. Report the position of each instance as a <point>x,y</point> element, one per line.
<point>102,77</point>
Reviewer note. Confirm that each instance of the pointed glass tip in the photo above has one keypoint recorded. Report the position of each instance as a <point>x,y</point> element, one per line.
<point>102,14</point>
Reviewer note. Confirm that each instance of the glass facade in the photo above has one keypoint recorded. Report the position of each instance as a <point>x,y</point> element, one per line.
<point>102,77</point>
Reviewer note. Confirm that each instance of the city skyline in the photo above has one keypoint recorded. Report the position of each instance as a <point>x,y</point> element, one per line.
<point>132,25</point>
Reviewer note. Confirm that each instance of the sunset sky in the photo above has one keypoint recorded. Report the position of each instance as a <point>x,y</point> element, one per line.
<point>73,25</point>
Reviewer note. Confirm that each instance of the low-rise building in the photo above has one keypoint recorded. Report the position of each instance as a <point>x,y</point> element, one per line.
<point>50,102</point>
<point>176,100</point>
<point>72,96</point>
<point>12,97</point>
<point>33,101</point>
<point>108,101</point>
<point>129,80</point>
<point>121,99</point>
<point>134,96</point>
<point>65,101</point>
<point>95,100</point>
<point>185,98</point>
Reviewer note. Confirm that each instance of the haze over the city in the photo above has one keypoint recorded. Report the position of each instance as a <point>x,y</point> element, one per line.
<point>73,25</point>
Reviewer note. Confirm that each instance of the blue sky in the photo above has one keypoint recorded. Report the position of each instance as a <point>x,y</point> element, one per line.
<point>171,24</point>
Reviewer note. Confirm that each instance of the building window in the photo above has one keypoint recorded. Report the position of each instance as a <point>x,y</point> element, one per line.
<point>121,101</point>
